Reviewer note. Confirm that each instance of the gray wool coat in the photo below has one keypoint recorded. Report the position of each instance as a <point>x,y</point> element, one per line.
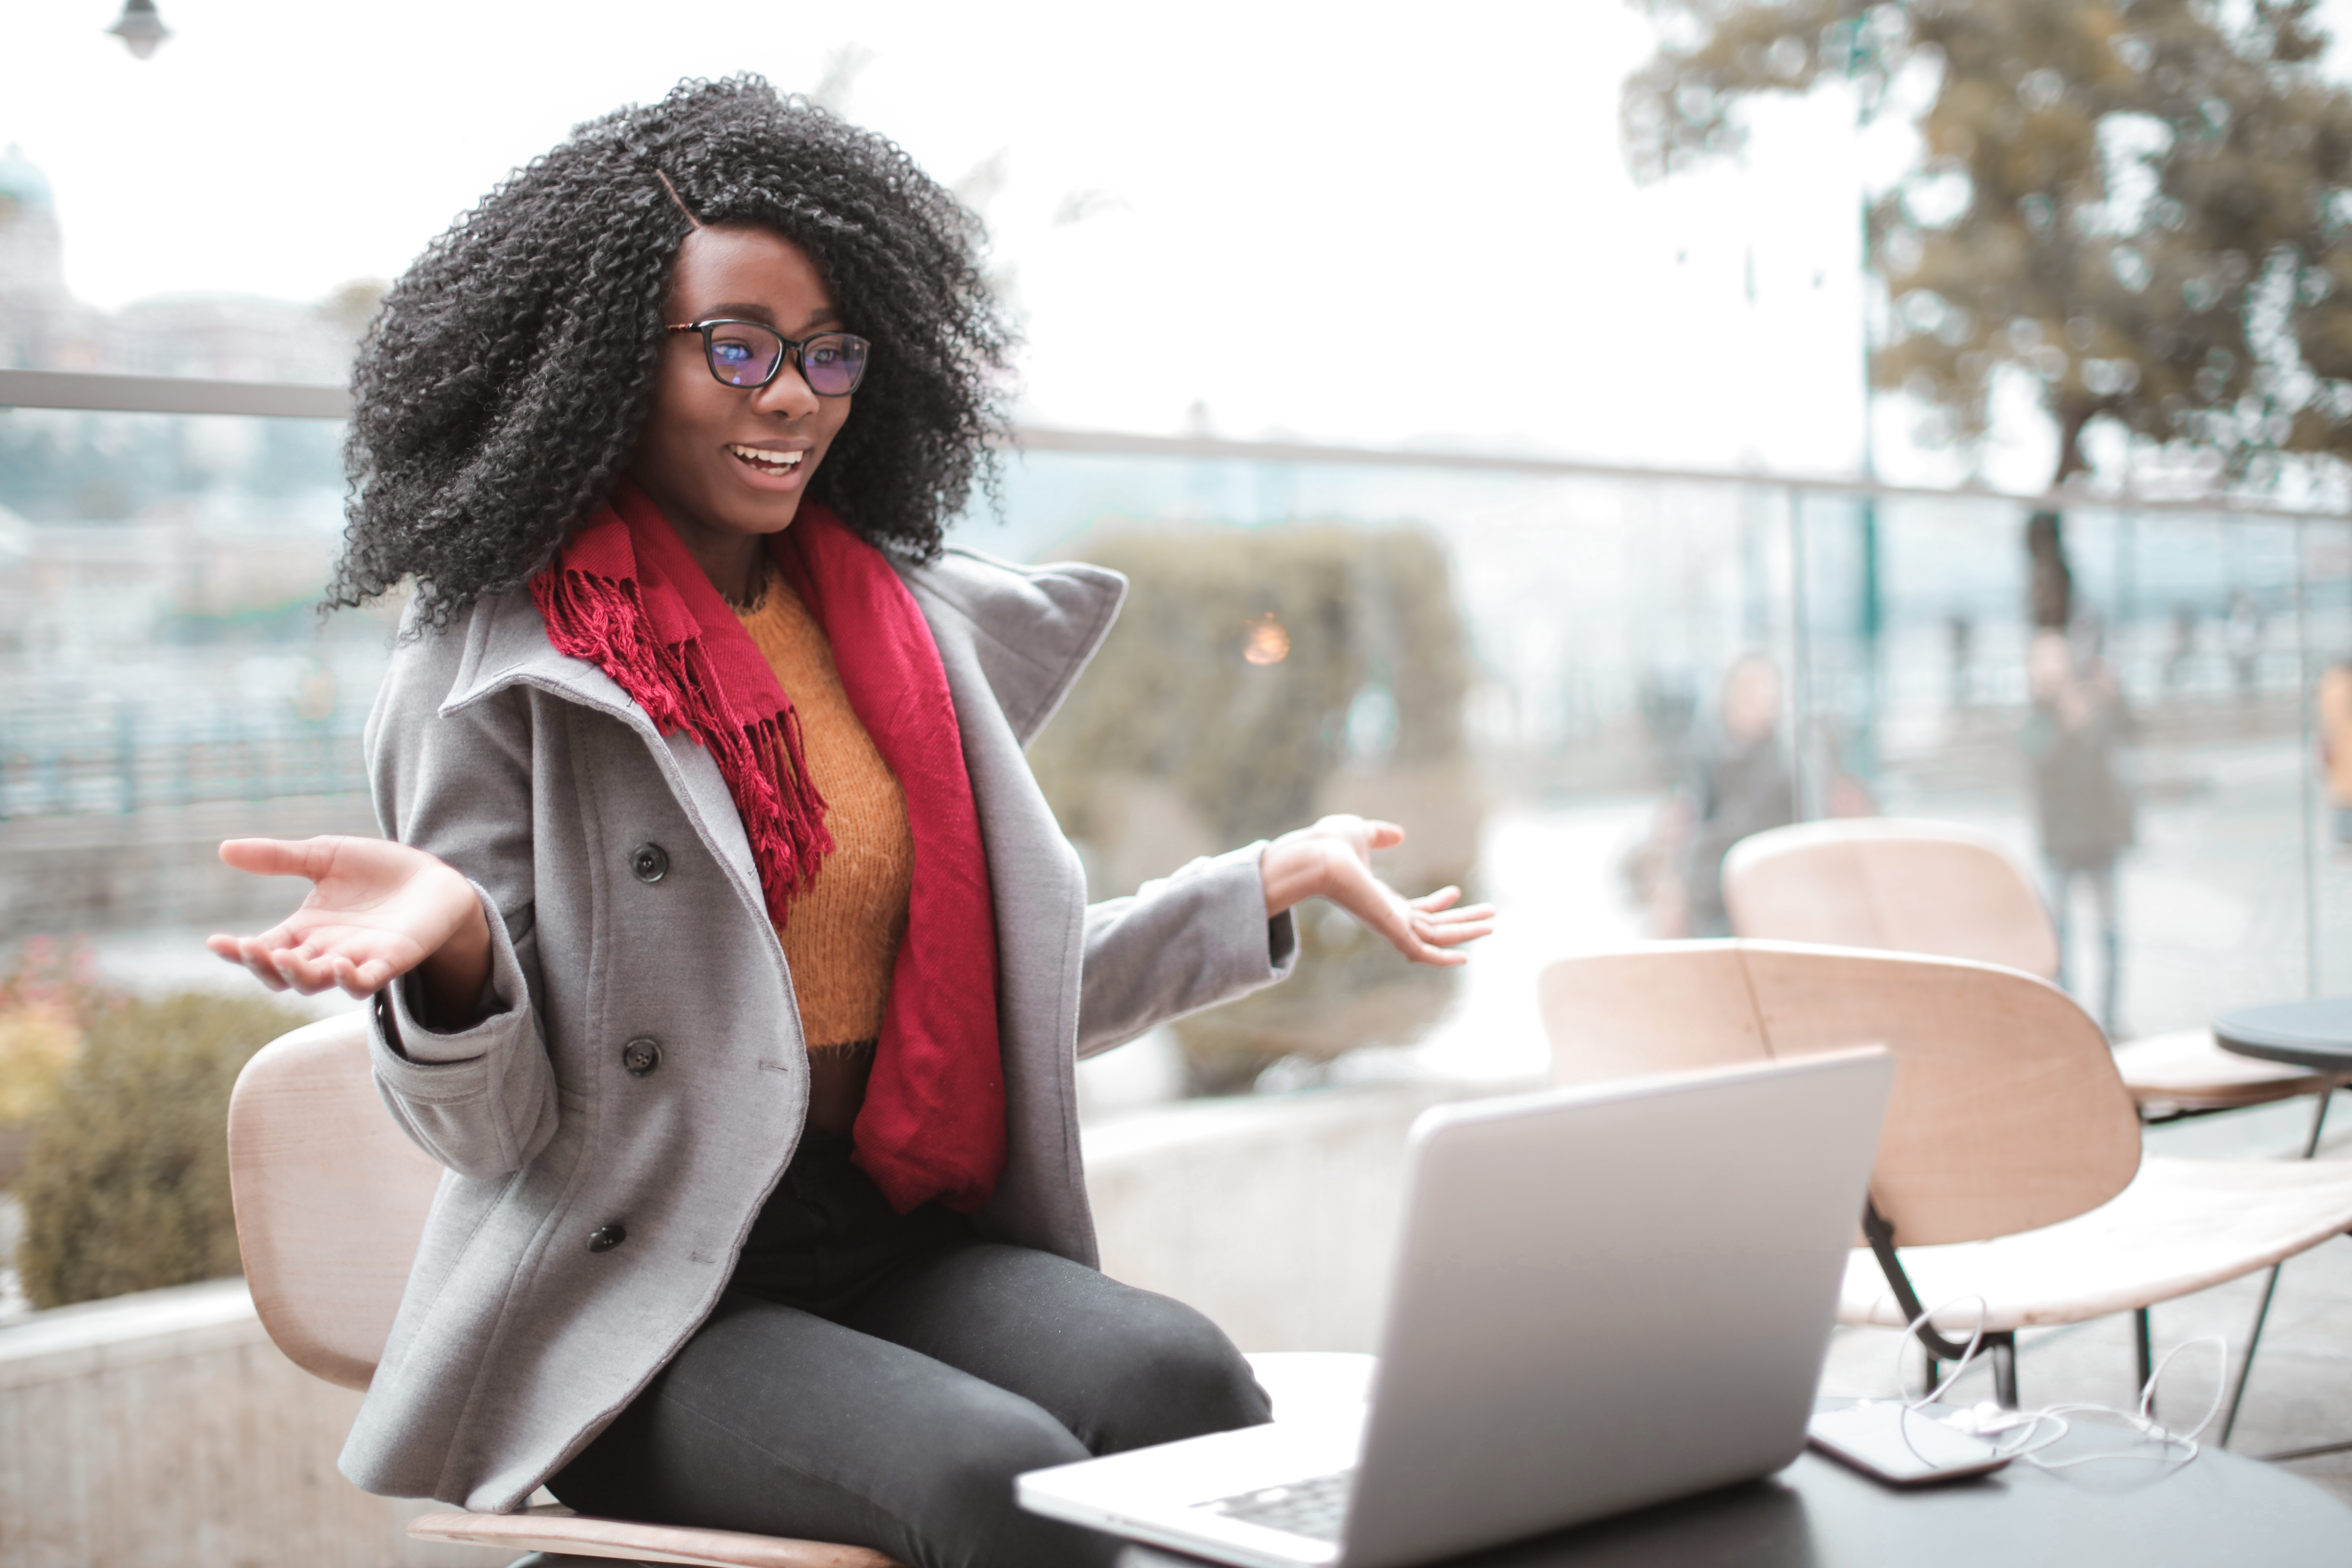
<point>626,910</point>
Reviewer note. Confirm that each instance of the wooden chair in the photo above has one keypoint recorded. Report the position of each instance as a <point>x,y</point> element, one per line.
<point>1935,888</point>
<point>2011,1164</point>
<point>331,1202</point>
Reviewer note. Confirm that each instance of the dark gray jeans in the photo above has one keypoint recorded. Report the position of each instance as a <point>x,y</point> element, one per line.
<point>879,1380</point>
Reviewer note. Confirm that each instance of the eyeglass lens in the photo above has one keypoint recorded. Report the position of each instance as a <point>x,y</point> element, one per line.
<point>744,353</point>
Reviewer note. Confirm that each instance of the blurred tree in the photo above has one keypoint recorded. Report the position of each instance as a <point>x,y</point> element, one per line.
<point>2142,204</point>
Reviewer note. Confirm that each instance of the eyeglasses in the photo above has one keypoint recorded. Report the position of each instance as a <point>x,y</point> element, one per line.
<point>747,354</point>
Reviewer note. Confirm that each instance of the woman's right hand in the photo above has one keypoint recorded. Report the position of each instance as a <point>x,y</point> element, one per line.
<point>376,911</point>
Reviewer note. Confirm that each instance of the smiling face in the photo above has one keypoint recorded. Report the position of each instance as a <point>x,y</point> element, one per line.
<point>729,467</point>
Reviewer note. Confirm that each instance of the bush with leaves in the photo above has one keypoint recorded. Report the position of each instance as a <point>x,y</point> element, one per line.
<point>49,992</point>
<point>126,1186</point>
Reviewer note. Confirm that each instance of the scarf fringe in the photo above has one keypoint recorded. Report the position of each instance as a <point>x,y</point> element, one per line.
<point>603,621</point>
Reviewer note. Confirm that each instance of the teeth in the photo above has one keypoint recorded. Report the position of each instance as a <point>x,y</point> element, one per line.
<point>766,459</point>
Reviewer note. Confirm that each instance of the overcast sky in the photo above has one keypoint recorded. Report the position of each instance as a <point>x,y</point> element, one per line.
<point>1359,223</point>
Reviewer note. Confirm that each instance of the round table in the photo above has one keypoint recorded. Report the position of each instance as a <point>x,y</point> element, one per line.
<point>2219,1509</point>
<point>2317,1035</point>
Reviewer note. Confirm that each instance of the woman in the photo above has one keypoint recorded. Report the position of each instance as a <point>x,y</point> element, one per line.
<point>723,946</point>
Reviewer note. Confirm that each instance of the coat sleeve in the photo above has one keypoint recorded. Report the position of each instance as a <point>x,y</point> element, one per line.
<point>480,1100</point>
<point>1178,944</point>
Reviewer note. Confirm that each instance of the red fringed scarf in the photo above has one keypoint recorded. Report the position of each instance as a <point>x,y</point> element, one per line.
<point>627,595</point>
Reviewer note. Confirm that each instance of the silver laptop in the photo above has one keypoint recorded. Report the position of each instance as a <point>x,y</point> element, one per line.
<point>1603,1296</point>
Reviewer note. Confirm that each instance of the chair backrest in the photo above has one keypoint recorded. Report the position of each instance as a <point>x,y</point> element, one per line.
<point>1898,885</point>
<point>330,1198</point>
<point>2007,1113</point>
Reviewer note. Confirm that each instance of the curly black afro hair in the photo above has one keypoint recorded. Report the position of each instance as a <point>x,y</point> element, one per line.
<point>500,389</point>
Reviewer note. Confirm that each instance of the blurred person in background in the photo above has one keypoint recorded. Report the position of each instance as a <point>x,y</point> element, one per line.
<point>2336,745</point>
<point>2181,648</point>
<point>1736,782</point>
<point>2242,636</point>
<point>2082,808</point>
<point>1960,645</point>
<point>1740,785</point>
<point>721,944</point>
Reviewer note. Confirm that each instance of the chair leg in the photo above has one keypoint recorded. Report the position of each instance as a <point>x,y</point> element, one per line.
<point>2318,1122</point>
<point>2270,1288</point>
<point>2003,1348</point>
<point>1936,1346</point>
<point>2144,1351</point>
<point>2305,1453</point>
<point>2253,1343</point>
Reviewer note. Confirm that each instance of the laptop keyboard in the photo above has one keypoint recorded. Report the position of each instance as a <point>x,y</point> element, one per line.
<point>1314,1507</point>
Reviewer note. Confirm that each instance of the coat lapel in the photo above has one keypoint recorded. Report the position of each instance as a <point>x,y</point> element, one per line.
<point>1030,629</point>
<point>506,645</point>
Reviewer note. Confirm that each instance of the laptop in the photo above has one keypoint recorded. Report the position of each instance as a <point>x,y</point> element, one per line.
<point>1603,1296</point>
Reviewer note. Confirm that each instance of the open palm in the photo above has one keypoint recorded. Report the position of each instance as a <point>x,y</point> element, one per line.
<point>376,911</point>
<point>1332,859</point>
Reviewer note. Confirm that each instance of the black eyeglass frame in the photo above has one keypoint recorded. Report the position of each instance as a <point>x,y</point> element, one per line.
<point>792,349</point>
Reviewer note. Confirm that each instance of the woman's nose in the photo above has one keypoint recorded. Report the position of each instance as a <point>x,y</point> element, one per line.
<point>787,394</point>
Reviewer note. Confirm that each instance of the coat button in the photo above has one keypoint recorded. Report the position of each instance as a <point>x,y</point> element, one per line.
<point>605,1237</point>
<point>641,1056</point>
<point>650,862</point>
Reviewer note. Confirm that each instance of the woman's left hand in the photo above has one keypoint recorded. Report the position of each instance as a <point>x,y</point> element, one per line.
<point>1333,860</point>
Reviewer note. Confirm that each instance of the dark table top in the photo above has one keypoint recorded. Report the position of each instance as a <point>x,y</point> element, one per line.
<point>2219,1509</point>
<point>2305,1034</point>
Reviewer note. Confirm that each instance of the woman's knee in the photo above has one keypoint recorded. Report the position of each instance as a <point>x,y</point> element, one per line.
<point>970,1514</point>
<point>1176,1375</point>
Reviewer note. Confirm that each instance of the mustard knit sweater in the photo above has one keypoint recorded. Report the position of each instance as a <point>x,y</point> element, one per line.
<point>843,933</point>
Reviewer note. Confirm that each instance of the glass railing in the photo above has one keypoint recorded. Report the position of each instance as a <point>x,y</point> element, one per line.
<point>160,645</point>
<point>1615,622</point>
<point>1527,662</point>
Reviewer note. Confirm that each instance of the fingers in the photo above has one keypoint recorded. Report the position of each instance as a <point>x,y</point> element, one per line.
<point>250,953</point>
<point>1399,924</point>
<point>298,968</point>
<point>1331,858</point>
<point>281,965</point>
<point>279,856</point>
<point>1431,947</point>
<point>317,966</point>
<point>1435,934</point>
<point>1437,923</point>
<point>1424,930</point>
<point>1453,933</point>
<point>1449,919</point>
<point>361,980</point>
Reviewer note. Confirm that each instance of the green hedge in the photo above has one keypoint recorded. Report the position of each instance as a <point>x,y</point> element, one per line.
<point>126,1184</point>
